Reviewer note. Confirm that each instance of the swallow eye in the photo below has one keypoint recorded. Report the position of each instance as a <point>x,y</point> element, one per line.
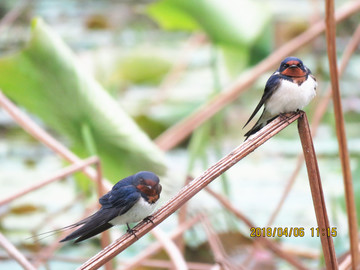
<point>149,187</point>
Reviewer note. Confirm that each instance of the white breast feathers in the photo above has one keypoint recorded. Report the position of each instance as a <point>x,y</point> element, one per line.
<point>290,96</point>
<point>139,211</point>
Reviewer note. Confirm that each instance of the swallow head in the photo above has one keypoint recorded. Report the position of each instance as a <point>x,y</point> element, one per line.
<point>148,185</point>
<point>294,68</point>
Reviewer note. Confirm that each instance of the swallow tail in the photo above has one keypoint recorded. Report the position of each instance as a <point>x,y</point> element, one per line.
<point>264,119</point>
<point>91,226</point>
<point>85,235</point>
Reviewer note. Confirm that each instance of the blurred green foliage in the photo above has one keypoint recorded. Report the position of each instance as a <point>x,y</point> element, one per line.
<point>356,186</point>
<point>143,68</point>
<point>230,24</point>
<point>239,28</point>
<point>46,79</point>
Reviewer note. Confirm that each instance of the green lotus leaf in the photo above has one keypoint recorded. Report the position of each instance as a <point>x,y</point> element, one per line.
<point>229,23</point>
<point>46,79</point>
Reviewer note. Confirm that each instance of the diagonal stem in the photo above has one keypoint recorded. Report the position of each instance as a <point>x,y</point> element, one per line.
<point>217,248</point>
<point>192,189</point>
<point>59,175</point>
<point>171,249</point>
<point>157,246</point>
<point>40,134</point>
<point>15,253</point>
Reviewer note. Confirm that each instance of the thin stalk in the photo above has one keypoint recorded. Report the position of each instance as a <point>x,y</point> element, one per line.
<point>217,248</point>
<point>105,236</point>
<point>58,176</point>
<point>171,249</point>
<point>161,264</point>
<point>13,14</point>
<point>317,193</point>
<point>272,245</point>
<point>44,254</point>
<point>15,253</point>
<point>40,134</point>
<point>341,133</point>
<point>156,247</point>
<point>218,119</point>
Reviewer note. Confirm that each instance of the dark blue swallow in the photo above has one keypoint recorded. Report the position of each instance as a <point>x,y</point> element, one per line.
<point>289,88</point>
<point>130,200</point>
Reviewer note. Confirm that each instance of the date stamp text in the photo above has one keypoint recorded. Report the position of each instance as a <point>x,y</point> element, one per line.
<point>292,232</point>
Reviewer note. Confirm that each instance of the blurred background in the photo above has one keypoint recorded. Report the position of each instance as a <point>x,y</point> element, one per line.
<point>107,78</point>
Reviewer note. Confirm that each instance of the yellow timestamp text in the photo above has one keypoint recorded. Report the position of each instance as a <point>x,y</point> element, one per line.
<point>329,231</point>
<point>292,232</point>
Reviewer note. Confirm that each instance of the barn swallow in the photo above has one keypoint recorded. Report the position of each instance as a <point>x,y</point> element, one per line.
<point>289,88</point>
<point>130,200</point>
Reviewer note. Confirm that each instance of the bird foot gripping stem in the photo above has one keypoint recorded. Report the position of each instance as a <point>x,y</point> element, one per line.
<point>131,231</point>
<point>287,116</point>
<point>149,219</point>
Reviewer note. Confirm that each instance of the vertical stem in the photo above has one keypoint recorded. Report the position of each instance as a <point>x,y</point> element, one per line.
<point>340,132</point>
<point>105,236</point>
<point>219,118</point>
<point>317,193</point>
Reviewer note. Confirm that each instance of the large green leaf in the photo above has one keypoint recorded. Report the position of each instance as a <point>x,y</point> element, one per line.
<point>230,23</point>
<point>238,28</point>
<point>143,68</point>
<point>46,79</point>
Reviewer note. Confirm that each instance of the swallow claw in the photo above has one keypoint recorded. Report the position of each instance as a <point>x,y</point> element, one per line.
<point>284,116</point>
<point>131,231</point>
<point>148,219</point>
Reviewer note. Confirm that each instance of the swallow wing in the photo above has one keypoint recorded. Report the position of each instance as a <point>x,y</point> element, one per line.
<point>115,203</point>
<point>124,197</point>
<point>271,85</point>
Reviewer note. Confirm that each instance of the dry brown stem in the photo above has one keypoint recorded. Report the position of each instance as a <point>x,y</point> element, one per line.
<point>217,248</point>
<point>40,134</point>
<point>171,249</point>
<point>341,133</point>
<point>317,193</point>
<point>156,247</point>
<point>57,176</point>
<point>15,253</point>
<point>161,264</point>
<point>13,14</point>
<point>48,251</point>
<point>192,189</point>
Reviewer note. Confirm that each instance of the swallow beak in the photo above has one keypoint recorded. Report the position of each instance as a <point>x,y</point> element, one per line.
<point>293,66</point>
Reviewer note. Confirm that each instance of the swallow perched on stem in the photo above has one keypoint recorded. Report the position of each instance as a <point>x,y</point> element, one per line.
<point>289,88</point>
<point>130,200</point>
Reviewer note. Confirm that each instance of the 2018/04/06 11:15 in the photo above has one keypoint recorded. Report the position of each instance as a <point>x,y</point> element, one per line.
<point>291,231</point>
